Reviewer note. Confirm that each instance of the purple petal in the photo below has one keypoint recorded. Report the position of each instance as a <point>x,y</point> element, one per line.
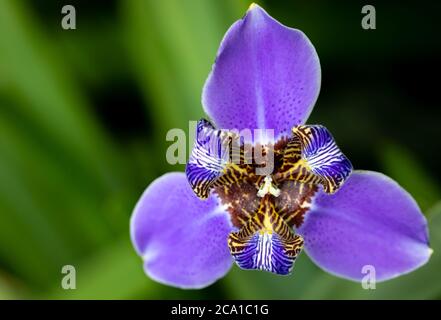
<point>322,156</point>
<point>182,239</point>
<point>265,76</point>
<point>268,252</point>
<point>372,221</point>
<point>266,242</point>
<point>208,158</point>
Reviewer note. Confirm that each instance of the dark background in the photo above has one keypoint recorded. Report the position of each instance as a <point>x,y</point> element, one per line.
<point>84,113</point>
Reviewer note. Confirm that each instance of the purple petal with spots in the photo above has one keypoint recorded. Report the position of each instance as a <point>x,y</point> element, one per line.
<point>265,76</point>
<point>323,156</point>
<point>182,239</point>
<point>371,220</point>
<point>208,158</point>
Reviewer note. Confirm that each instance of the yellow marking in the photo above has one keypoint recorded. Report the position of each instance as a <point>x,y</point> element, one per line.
<point>246,212</point>
<point>292,216</point>
<point>237,168</point>
<point>256,219</point>
<point>241,220</point>
<point>303,163</point>
<point>267,226</point>
<point>301,188</point>
<point>252,6</point>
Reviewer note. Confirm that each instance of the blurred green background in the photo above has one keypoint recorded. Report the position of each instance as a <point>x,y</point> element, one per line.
<point>84,113</point>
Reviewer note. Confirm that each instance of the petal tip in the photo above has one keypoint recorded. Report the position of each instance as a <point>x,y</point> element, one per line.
<point>252,6</point>
<point>255,51</point>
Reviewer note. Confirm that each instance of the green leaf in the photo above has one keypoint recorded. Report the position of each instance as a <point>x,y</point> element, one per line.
<point>57,166</point>
<point>247,284</point>
<point>172,45</point>
<point>115,273</point>
<point>49,100</point>
<point>405,167</point>
<point>10,288</point>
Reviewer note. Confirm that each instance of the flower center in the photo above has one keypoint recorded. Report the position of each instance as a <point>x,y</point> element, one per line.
<point>291,199</point>
<point>266,200</point>
<point>268,187</point>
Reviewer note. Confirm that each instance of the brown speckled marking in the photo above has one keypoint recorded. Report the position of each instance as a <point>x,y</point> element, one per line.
<point>294,201</point>
<point>238,187</point>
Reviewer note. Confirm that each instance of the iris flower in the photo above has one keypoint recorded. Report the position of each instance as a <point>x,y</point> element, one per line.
<point>190,228</point>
